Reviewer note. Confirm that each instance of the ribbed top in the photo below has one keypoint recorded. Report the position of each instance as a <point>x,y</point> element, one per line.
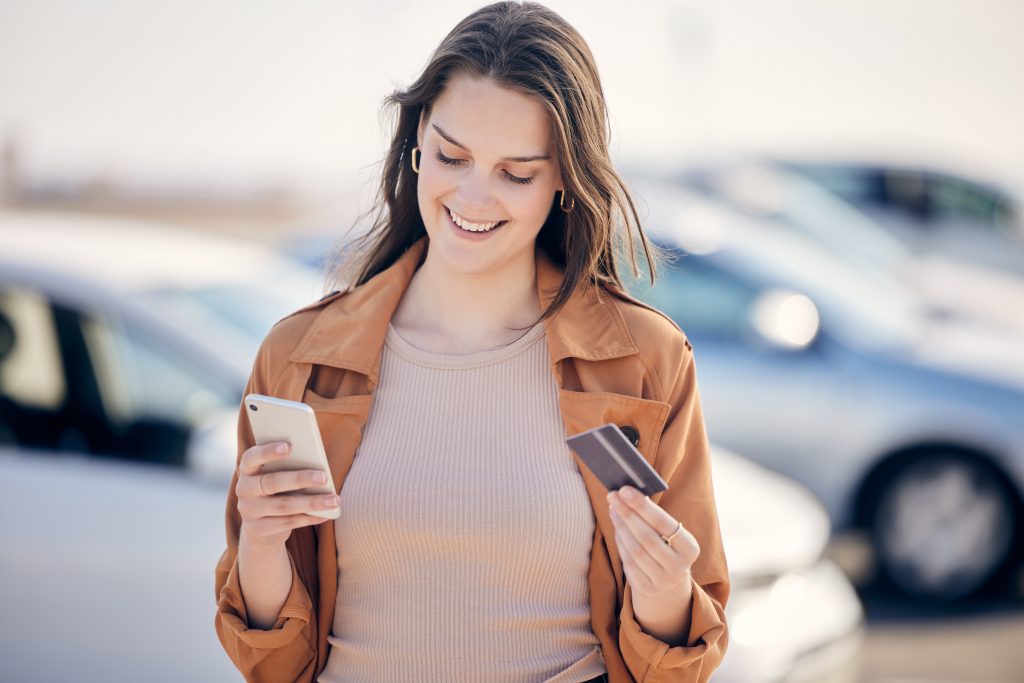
<point>465,532</point>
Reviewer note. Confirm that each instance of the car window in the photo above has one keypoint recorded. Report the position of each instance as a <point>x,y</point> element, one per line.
<point>701,299</point>
<point>952,199</point>
<point>31,371</point>
<point>139,378</point>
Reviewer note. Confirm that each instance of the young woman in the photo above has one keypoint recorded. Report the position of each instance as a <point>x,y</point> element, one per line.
<point>484,322</point>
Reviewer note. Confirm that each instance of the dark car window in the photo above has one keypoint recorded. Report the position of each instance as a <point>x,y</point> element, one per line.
<point>32,378</point>
<point>925,196</point>
<point>951,199</point>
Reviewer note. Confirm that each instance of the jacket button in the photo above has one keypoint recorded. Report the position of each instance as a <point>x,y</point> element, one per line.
<point>631,434</point>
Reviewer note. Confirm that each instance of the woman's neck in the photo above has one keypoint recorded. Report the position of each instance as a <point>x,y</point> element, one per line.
<point>450,312</point>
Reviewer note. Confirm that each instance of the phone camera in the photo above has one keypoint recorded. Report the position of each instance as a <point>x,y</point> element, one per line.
<point>252,406</point>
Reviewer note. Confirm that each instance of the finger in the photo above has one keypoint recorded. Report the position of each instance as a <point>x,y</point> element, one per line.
<point>255,457</point>
<point>663,557</point>
<point>279,482</point>
<point>637,575</point>
<point>652,513</point>
<point>291,504</point>
<point>654,569</point>
<point>309,520</point>
<point>268,526</point>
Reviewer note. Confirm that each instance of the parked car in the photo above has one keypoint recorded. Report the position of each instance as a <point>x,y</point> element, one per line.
<point>784,200</point>
<point>129,339</point>
<point>931,208</point>
<point>903,425</point>
<point>793,615</point>
<point>123,534</point>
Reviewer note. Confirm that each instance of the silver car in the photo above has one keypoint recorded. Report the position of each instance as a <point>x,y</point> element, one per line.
<point>903,425</point>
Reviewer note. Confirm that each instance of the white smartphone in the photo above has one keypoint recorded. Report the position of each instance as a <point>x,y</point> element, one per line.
<point>278,419</point>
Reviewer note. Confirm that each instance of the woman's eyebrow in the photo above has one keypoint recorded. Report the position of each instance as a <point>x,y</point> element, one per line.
<point>449,138</point>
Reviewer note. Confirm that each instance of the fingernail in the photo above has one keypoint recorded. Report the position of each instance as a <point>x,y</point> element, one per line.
<point>281,447</point>
<point>320,477</point>
<point>630,493</point>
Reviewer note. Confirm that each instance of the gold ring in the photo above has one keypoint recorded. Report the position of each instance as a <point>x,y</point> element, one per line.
<point>668,539</point>
<point>259,485</point>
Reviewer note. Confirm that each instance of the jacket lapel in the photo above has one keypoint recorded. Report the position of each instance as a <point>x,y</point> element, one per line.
<point>349,334</point>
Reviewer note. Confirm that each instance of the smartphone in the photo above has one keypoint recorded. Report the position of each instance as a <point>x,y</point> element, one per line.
<point>607,452</point>
<point>278,419</point>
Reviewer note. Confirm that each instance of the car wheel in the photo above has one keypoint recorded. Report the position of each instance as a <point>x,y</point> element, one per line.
<point>944,526</point>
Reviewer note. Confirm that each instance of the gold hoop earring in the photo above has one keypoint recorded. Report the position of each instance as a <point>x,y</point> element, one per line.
<point>561,203</point>
<point>415,161</point>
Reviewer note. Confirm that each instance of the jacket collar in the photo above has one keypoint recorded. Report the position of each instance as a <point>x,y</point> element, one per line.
<point>349,332</point>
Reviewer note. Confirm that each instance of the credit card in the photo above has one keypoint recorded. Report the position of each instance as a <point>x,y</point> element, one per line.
<point>607,452</point>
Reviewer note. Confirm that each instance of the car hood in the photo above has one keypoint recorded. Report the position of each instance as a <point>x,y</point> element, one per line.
<point>969,292</point>
<point>973,349</point>
<point>770,524</point>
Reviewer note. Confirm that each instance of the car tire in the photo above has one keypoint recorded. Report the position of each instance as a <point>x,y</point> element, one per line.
<point>944,526</point>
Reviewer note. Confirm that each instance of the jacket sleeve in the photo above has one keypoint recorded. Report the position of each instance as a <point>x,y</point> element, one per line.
<point>685,452</point>
<point>286,651</point>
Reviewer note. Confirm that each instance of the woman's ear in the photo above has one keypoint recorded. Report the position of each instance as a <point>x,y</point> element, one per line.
<point>419,130</point>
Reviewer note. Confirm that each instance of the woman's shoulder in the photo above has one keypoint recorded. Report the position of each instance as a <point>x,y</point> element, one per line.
<point>662,345</point>
<point>288,332</point>
<point>647,323</point>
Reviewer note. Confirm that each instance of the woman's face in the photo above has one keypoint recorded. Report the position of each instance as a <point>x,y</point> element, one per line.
<point>486,157</point>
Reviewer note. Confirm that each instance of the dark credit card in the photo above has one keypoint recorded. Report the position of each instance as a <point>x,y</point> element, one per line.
<point>607,452</point>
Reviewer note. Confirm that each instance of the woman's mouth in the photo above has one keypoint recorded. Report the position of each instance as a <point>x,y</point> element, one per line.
<point>466,225</point>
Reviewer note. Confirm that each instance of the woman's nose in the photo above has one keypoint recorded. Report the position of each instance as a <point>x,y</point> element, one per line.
<point>475,195</point>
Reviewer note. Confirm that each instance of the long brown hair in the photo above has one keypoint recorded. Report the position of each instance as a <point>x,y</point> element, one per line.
<point>526,47</point>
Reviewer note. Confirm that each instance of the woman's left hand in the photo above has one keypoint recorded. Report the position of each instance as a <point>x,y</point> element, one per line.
<point>652,567</point>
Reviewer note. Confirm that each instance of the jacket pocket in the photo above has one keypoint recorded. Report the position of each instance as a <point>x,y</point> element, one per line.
<point>642,420</point>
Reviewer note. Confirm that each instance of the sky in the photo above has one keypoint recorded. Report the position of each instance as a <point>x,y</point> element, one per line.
<point>250,92</point>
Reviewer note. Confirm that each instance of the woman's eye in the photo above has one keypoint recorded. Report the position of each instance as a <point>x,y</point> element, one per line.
<point>517,179</point>
<point>448,161</point>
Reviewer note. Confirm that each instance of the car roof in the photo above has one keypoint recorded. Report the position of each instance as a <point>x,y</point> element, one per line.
<point>132,255</point>
<point>752,251</point>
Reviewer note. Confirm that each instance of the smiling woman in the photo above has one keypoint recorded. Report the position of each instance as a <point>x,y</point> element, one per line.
<point>486,321</point>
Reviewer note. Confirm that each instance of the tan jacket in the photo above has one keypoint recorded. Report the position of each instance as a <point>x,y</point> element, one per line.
<point>614,361</point>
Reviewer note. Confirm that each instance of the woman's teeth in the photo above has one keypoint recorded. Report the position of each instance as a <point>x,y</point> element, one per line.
<point>472,227</point>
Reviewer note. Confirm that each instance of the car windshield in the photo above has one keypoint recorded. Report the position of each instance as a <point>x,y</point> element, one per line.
<point>714,293</point>
<point>243,311</point>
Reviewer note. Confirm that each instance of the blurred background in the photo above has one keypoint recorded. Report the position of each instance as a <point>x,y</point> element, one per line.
<point>842,187</point>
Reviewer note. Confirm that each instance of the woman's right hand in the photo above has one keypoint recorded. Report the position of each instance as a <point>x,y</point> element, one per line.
<point>269,512</point>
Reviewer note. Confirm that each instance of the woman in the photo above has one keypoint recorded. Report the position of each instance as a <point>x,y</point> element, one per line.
<point>486,322</point>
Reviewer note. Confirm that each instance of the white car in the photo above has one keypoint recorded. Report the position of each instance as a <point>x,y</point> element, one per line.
<point>793,615</point>
<point>103,384</point>
<point>130,338</point>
